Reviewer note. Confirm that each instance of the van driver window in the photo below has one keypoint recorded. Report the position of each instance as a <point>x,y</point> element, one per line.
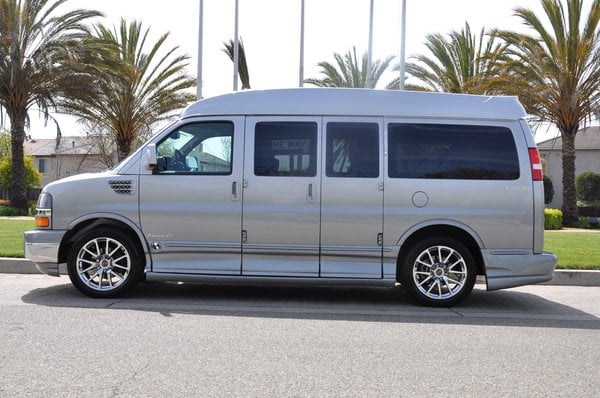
<point>352,150</point>
<point>285,149</point>
<point>197,148</point>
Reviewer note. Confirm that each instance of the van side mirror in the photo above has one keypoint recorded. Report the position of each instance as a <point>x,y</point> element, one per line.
<point>191,163</point>
<point>150,157</point>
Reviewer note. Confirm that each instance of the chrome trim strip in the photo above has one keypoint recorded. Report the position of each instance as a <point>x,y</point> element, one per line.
<point>263,280</point>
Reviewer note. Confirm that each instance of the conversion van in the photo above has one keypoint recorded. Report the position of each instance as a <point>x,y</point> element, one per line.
<point>311,186</point>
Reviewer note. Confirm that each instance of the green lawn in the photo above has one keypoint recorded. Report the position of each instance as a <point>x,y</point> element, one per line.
<point>575,250</point>
<point>11,236</point>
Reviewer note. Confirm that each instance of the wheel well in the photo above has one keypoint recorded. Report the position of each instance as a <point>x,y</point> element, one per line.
<point>72,235</point>
<point>443,230</point>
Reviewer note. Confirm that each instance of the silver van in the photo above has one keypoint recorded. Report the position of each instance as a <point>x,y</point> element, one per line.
<point>311,186</point>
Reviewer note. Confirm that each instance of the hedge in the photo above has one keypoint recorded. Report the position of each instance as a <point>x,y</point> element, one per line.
<point>553,219</point>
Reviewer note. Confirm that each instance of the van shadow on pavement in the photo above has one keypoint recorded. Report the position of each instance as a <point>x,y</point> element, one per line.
<point>502,308</point>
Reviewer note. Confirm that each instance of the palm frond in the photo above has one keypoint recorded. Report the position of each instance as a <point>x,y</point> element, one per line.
<point>348,72</point>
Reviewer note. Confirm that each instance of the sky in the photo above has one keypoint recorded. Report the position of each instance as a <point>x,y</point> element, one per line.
<point>270,30</point>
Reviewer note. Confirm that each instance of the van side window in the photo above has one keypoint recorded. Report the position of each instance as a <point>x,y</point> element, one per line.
<point>352,150</point>
<point>445,151</point>
<point>197,148</point>
<point>285,149</point>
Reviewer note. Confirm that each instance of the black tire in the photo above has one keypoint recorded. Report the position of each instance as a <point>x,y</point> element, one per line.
<point>105,262</point>
<point>438,271</point>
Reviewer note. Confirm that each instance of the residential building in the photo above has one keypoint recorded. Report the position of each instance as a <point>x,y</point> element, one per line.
<point>587,157</point>
<point>68,156</point>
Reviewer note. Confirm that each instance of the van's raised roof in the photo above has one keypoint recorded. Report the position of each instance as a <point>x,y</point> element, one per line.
<point>358,102</point>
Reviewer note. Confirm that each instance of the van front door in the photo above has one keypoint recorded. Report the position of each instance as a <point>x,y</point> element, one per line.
<point>352,198</point>
<point>191,205</point>
<point>281,197</point>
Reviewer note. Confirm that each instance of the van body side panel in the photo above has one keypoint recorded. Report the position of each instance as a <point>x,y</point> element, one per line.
<point>352,197</point>
<point>282,197</point>
<point>192,222</point>
<point>500,212</point>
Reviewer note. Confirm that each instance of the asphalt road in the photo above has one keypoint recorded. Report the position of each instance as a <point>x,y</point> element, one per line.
<point>171,339</point>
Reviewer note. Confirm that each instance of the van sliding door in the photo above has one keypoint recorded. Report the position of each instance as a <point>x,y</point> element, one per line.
<point>281,203</point>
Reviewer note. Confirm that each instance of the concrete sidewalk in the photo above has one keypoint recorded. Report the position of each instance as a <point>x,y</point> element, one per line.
<point>561,277</point>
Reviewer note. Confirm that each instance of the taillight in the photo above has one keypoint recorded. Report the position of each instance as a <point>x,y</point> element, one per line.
<point>536,165</point>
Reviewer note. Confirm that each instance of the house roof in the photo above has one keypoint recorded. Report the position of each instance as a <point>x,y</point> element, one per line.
<point>586,139</point>
<point>77,145</point>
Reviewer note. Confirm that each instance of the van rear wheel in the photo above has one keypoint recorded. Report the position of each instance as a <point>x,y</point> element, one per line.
<point>438,271</point>
<point>104,262</point>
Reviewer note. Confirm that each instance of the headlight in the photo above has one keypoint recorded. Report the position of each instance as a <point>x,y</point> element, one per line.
<point>43,211</point>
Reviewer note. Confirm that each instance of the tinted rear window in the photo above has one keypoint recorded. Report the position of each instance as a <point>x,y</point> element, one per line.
<point>446,151</point>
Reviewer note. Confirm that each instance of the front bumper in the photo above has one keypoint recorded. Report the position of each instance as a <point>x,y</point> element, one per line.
<point>41,248</point>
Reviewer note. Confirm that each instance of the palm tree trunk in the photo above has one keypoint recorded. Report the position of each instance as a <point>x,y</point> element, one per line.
<point>123,148</point>
<point>18,197</point>
<point>569,207</point>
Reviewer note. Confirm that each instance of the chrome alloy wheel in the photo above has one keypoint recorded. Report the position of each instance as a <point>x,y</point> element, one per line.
<point>103,264</point>
<point>439,272</point>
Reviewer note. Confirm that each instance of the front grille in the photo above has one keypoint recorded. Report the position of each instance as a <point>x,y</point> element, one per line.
<point>122,187</point>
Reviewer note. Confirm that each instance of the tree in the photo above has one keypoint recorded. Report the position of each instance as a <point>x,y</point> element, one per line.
<point>33,177</point>
<point>555,72</point>
<point>137,84</point>
<point>242,65</point>
<point>588,187</point>
<point>4,144</point>
<point>349,73</point>
<point>462,62</point>
<point>39,53</point>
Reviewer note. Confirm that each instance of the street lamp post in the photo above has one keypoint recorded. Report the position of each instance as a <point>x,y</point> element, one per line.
<point>402,67</point>
<point>301,67</point>
<point>200,38</point>
<point>370,50</point>
<point>235,48</point>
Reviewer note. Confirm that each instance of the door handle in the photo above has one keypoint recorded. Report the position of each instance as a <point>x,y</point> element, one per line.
<point>309,194</point>
<point>234,192</point>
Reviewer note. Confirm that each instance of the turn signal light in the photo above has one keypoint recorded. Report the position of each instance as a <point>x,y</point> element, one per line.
<point>42,222</point>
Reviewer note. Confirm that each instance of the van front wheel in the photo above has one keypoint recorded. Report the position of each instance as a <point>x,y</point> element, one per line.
<point>104,262</point>
<point>438,271</point>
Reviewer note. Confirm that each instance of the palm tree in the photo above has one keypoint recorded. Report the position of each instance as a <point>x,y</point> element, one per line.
<point>39,49</point>
<point>137,84</point>
<point>555,71</point>
<point>460,63</point>
<point>349,73</point>
<point>242,65</point>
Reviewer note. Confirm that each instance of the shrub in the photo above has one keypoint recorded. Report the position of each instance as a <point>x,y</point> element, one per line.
<point>587,185</point>
<point>553,219</point>
<point>33,177</point>
<point>11,212</point>
<point>589,211</point>
<point>548,190</point>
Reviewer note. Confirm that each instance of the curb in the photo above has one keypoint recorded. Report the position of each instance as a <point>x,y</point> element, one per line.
<point>23,266</point>
<point>561,277</point>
